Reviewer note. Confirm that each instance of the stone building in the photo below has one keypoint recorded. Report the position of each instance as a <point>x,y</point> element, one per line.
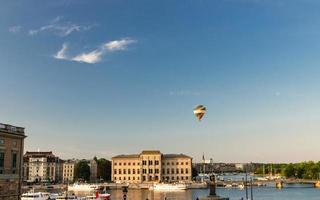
<point>42,167</point>
<point>151,166</point>
<point>68,171</point>
<point>11,152</point>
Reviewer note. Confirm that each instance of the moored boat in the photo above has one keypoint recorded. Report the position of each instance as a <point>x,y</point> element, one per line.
<point>82,187</point>
<point>35,196</point>
<point>168,187</point>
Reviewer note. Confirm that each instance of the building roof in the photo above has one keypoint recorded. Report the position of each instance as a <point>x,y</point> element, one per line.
<point>176,156</point>
<point>39,154</point>
<point>127,156</point>
<point>15,130</point>
<point>151,152</point>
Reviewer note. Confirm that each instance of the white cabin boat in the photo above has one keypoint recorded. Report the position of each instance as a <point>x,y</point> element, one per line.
<point>168,187</point>
<point>82,187</point>
<point>35,196</point>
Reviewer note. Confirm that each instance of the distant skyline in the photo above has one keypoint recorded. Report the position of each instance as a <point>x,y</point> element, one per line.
<point>102,78</point>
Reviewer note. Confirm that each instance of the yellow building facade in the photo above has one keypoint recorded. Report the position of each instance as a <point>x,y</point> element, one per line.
<point>151,166</point>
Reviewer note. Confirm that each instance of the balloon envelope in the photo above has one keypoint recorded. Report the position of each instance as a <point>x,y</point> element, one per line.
<point>199,111</point>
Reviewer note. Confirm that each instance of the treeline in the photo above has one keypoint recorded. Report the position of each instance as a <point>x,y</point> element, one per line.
<point>303,170</point>
<point>82,170</point>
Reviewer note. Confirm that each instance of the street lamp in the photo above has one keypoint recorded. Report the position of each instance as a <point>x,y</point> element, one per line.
<point>125,191</point>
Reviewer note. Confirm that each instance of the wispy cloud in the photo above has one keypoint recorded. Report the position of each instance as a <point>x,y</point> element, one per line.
<point>15,29</point>
<point>60,28</point>
<point>61,54</point>
<point>95,55</point>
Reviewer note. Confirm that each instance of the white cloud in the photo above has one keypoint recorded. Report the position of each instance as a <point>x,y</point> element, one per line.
<point>60,28</point>
<point>91,57</point>
<point>61,54</point>
<point>95,55</point>
<point>15,29</point>
<point>117,45</point>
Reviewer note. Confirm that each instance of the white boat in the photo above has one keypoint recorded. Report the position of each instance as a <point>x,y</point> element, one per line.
<point>168,187</point>
<point>67,197</point>
<point>35,196</point>
<point>240,186</point>
<point>99,196</point>
<point>82,187</point>
<point>228,186</point>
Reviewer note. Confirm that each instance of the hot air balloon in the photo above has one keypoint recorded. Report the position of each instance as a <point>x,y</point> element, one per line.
<point>199,111</point>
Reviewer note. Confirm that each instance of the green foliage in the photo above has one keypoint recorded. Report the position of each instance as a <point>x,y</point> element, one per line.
<point>104,169</point>
<point>82,171</point>
<point>303,170</point>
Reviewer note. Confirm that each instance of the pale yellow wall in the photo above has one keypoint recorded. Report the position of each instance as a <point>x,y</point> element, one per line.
<point>149,171</point>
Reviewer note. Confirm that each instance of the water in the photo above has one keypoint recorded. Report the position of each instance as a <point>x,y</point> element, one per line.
<point>294,192</point>
<point>265,193</point>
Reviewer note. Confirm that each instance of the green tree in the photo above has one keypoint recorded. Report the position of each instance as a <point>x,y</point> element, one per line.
<point>82,171</point>
<point>104,169</point>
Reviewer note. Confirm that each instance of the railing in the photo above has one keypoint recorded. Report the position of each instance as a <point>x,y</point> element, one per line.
<point>11,129</point>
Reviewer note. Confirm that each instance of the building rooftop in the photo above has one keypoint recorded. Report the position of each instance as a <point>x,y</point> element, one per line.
<point>151,152</point>
<point>127,156</point>
<point>175,156</point>
<point>7,128</point>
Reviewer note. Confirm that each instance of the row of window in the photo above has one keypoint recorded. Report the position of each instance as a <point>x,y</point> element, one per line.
<point>150,171</point>
<point>144,178</point>
<point>177,171</point>
<point>125,178</point>
<point>2,142</point>
<point>129,171</point>
<point>150,162</point>
<point>13,162</point>
<point>129,163</point>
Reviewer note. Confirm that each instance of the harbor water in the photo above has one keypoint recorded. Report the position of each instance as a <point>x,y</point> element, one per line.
<point>294,192</point>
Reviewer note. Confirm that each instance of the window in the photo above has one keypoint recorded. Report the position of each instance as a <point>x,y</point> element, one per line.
<point>144,178</point>
<point>163,163</point>
<point>133,171</point>
<point>187,171</point>
<point>129,178</point>
<point>133,178</point>
<point>14,143</point>
<point>1,162</point>
<point>182,163</point>
<point>172,163</point>
<point>156,162</point>
<point>168,171</point>
<point>124,178</point>
<point>115,164</point>
<point>156,171</point>
<point>144,162</point>
<point>187,178</point>
<point>115,171</point>
<point>115,178</point>
<point>138,171</point>
<point>181,177</point>
<point>150,162</point>
<point>144,171</point>
<point>177,163</point>
<point>186,163</point>
<point>124,171</point>
<point>163,171</point>
<point>124,164</point>
<point>129,163</point>
<point>120,178</point>
<point>182,171</point>
<point>1,141</point>
<point>168,163</point>
<point>129,171</point>
<point>177,171</point>
<point>119,171</point>
<point>150,171</point>
<point>172,171</point>
<point>134,163</point>
<point>120,164</point>
<point>172,178</point>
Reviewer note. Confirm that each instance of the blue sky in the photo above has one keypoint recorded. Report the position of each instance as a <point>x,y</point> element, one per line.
<point>110,77</point>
